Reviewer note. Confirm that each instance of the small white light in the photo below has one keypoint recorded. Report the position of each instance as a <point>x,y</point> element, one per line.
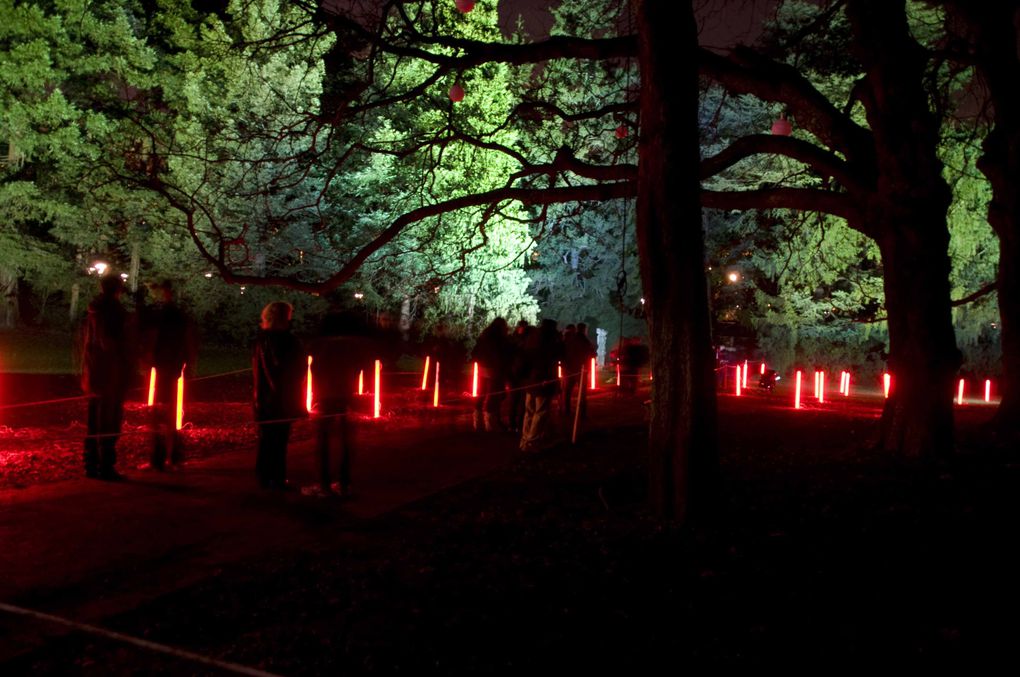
<point>100,267</point>
<point>208,275</point>
<point>123,276</point>
<point>358,295</point>
<point>733,277</point>
<point>642,302</point>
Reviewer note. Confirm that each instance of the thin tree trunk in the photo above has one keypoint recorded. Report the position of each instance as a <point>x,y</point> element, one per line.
<point>683,447</point>
<point>9,298</point>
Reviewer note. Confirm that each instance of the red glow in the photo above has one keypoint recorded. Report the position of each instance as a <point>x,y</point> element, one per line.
<point>308,387</point>
<point>559,370</point>
<point>744,375</point>
<point>474,380</point>
<point>425,374</point>
<point>617,375</point>
<point>988,390</point>
<point>464,6</point>
<point>959,392</point>
<point>180,400</point>
<point>738,381</point>
<point>594,368</point>
<point>796,393</point>
<point>152,386</point>
<point>456,93</point>
<point>821,386</point>
<point>762,372</point>
<point>435,393</point>
<point>887,383</point>
<point>377,405</point>
<point>361,382</point>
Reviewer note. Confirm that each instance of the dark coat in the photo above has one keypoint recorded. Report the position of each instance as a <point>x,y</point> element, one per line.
<point>336,361</point>
<point>543,349</point>
<point>278,365</point>
<point>493,353</point>
<point>168,338</point>
<point>107,356</point>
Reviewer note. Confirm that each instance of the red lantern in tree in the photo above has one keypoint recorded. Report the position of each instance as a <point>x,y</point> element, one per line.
<point>464,6</point>
<point>782,126</point>
<point>456,93</point>
<point>621,132</point>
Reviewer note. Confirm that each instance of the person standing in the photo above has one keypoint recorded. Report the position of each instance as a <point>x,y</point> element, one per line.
<point>278,367</point>
<point>579,351</point>
<point>543,350</point>
<point>516,375</point>
<point>107,366</point>
<point>169,340</point>
<point>492,353</point>
<point>338,355</point>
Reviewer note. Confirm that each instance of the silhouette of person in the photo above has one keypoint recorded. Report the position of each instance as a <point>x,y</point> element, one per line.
<point>107,367</point>
<point>342,350</point>
<point>168,338</point>
<point>278,367</point>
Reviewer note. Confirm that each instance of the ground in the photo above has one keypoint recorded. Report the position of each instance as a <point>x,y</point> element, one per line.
<point>459,556</point>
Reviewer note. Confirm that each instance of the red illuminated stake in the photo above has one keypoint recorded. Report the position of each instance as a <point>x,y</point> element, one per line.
<point>559,370</point>
<point>988,390</point>
<point>744,375</point>
<point>887,383</point>
<point>474,380</point>
<point>762,368</point>
<point>594,368</point>
<point>377,405</point>
<point>821,386</point>
<point>180,400</point>
<point>361,382</point>
<point>959,392</point>
<point>617,375</point>
<point>152,386</point>
<point>308,387</point>
<point>738,380</point>
<point>796,393</point>
<point>425,374</point>
<point>435,393</point>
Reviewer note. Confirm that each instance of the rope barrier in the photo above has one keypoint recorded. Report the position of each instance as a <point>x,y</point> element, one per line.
<point>98,631</point>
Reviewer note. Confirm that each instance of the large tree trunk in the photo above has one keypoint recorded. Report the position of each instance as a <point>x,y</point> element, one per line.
<point>993,34</point>
<point>683,452</point>
<point>908,213</point>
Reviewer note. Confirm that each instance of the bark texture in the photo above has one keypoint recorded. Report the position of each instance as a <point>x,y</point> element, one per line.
<point>684,472</point>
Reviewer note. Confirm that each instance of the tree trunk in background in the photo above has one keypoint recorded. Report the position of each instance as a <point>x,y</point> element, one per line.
<point>992,28</point>
<point>405,318</point>
<point>72,313</point>
<point>8,298</point>
<point>683,447</point>
<point>136,260</point>
<point>908,211</point>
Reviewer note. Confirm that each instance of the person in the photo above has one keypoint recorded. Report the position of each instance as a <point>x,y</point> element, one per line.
<point>578,351</point>
<point>492,353</point>
<point>337,356</point>
<point>168,339</point>
<point>107,366</point>
<point>278,367</point>
<point>633,356</point>
<point>568,375</point>
<point>543,348</point>
<point>516,374</point>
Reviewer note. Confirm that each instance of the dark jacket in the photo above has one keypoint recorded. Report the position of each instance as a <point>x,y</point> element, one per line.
<point>493,353</point>
<point>543,349</point>
<point>168,338</point>
<point>278,364</point>
<point>336,361</point>
<point>578,352</point>
<point>107,356</point>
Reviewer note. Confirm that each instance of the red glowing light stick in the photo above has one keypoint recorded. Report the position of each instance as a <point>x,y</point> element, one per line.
<point>425,374</point>
<point>959,392</point>
<point>738,381</point>
<point>762,369</point>
<point>361,382</point>
<point>152,386</point>
<point>988,390</point>
<point>474,380</point>
<point>180,400</point>
<point>308,387</point>
<point>617,375</point>
<point>816,384</point>
<point>744,375</point>
<point>796,393</point>
<point>435,393</point>
<point>887,383</point>
<point>377,405</point>
<point>593,369</point>
<point>559,370</point>
<point>821,386</point>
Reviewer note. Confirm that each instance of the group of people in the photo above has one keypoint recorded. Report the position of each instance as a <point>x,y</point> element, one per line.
<point>161,338</point>
<point>532,365</point>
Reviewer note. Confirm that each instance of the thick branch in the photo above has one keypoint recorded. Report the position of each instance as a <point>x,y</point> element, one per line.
<point>804,199</point>
<point>527,196</point>
<point>970,298</point>
<point>820,160</point>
